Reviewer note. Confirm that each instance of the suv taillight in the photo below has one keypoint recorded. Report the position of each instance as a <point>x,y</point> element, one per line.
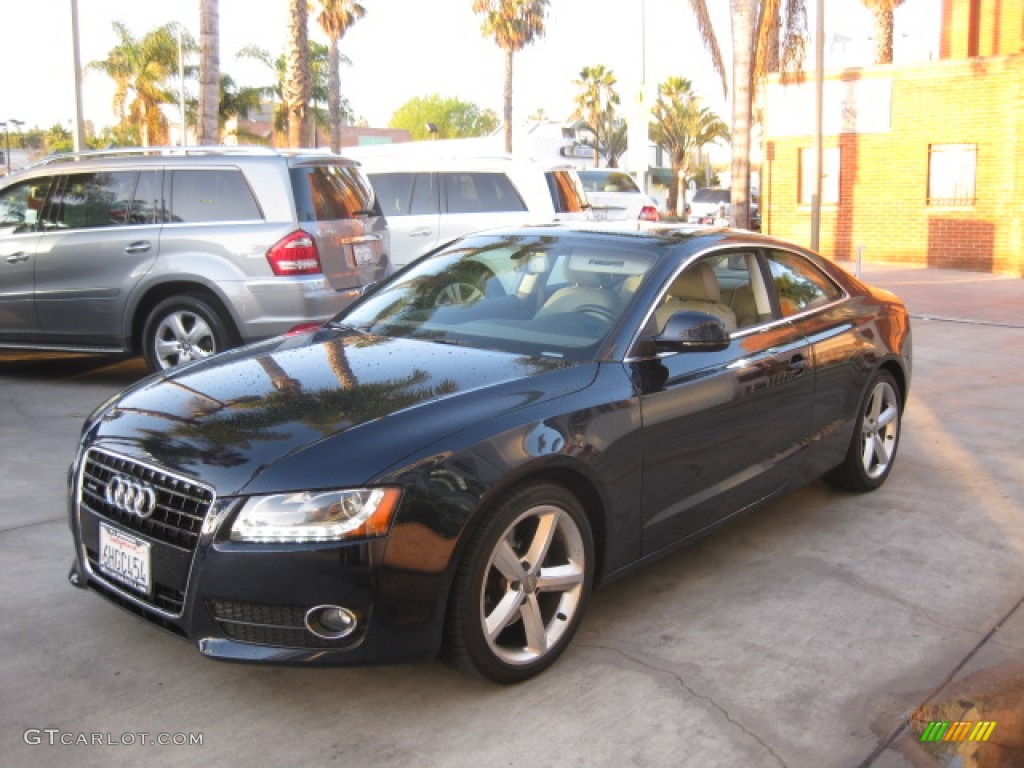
<point>295,254</point>
<point>648,213</point>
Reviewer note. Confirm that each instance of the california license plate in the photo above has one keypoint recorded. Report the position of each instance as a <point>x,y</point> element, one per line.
<point>125,558</point>
<point>364,254</point>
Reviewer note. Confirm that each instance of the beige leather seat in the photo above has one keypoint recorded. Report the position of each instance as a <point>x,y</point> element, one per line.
<point>696,290</point>
<point>584,290</point>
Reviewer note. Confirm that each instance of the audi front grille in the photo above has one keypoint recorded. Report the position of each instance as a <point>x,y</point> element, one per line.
<point>172,522</point>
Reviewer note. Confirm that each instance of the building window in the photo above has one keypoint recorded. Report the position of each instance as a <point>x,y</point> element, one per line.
<point>951,172</point>
<point>829,175</point>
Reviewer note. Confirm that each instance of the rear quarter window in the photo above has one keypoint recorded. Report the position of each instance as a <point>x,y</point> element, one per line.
<point>567,193</point>
<point>331,192</point>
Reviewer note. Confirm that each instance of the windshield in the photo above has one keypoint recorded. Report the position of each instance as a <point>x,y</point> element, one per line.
<point>708,195</point>
<point>608,181</point>
<point>525,294</point>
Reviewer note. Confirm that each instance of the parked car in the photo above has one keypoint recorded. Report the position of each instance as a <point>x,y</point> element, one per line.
<point>177,254</point>
<point>614,196</point>
<point>431,199</point>
<point>426,474</point>
<point>711,205</point>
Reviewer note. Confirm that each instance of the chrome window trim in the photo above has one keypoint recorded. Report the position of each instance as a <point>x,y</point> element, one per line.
<point>844,296</point>
<point>84,555</point>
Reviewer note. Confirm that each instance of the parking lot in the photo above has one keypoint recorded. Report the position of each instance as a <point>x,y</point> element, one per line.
<point>806,634</point>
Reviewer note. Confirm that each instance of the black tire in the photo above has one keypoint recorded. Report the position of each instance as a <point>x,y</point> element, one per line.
<point>876,436</point>
<point>527,598</point>
<point>185,328</point>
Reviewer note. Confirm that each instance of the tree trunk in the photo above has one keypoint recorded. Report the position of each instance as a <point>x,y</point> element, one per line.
<point>743,13</point>
<point>672,203</point>
<point>298,81</point>
<point>883,34</point>
<point>334,94</point>
<point>508,101</point>
<point>209,73</point>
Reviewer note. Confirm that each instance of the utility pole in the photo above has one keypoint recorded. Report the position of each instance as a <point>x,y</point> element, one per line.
<point>819,87</point>
<point>78,136</point>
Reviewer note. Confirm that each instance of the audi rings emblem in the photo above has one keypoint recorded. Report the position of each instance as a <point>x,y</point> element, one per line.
<point>131,496</point>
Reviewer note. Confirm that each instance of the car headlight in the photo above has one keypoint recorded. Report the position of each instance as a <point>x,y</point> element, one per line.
<point>310,516</point>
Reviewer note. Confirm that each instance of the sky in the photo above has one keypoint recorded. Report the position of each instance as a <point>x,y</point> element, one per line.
<point>408,48</point>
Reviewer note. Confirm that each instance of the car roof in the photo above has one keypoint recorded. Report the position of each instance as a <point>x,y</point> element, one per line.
<point>422,161</point>
<point>667,233</point>
<point>179,156</point>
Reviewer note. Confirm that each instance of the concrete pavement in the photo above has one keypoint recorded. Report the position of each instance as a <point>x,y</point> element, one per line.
<point>811,633</point>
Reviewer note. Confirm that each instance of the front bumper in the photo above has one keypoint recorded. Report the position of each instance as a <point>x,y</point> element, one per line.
<point>249,602</point>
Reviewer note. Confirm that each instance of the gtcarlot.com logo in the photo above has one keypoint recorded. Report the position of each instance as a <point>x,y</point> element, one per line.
<point>960,730</point>
<point>55,736</point>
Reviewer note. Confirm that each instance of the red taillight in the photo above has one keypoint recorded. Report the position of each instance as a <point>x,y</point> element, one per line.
<point>302,328</point>
<point>648,213</point>
<point>295,254</point>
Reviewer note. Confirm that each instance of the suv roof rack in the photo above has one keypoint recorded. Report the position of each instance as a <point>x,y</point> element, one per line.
<point>253,149</point>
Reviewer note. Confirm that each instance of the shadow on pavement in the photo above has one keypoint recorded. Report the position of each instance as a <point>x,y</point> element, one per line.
<point>48,366</point>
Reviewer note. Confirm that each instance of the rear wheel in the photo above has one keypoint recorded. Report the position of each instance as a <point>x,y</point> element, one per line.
<point>521,590</point>
<point>875,439</point>
<point>182,329</point>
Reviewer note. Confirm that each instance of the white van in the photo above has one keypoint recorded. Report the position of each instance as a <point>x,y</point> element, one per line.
<point>429,200</point>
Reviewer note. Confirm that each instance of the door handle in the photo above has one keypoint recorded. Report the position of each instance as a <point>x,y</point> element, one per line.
<point>17,258</point>
<point>422,232</point>
<point>140,246</point>
<point>797,364</point>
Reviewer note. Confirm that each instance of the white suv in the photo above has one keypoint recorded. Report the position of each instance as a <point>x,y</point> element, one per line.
<point>430,200</point>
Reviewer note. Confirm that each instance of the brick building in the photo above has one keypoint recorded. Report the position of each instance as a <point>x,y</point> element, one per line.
<point>922,162</point>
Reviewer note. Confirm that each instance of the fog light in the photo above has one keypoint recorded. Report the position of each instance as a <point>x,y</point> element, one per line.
<point>331,622</point>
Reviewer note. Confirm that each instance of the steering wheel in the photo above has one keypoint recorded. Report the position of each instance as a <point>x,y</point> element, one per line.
<point>458,293</point>
<point>596,310</point>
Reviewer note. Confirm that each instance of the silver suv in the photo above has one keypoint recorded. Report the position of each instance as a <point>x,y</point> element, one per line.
<point>179,253</point>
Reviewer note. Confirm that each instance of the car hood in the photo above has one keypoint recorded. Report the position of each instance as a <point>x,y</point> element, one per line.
<point>322,409</point>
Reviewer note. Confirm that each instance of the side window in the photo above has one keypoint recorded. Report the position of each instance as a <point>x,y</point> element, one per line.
<point>394,192</point>
<point>799,284</point>
<point>481,193</point>
<point>91,200</point>
<point>741,287</point>
<point>404,194</point>
<point>212,194</point>
<point>147,208</point>
<point>21,204</point>
<point>424,194</point>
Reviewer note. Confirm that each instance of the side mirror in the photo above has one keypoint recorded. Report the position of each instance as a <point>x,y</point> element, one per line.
<point>692,332</point>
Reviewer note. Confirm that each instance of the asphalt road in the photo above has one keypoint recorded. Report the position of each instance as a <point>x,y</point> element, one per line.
<point>807,634</point>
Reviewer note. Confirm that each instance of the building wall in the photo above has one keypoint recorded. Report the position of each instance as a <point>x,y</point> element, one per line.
<point>883,176</point>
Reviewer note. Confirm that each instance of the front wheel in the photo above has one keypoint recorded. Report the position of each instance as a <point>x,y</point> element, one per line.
<point>521,590</point>
<point>875,439</point>
<point>182,329</point>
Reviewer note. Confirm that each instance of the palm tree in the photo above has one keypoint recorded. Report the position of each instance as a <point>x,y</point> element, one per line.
<point>514,24</point>
<point>298,84</point>
<point>140,69</point>
<point>318,66</point>
<point>336,16</point>
<point>596,98</point>
<point>883,13</point>
<point>236,102</point>
<point>209,73</point>
<point>754,26</point>
<point>682,127</point>
<point>614,141</point>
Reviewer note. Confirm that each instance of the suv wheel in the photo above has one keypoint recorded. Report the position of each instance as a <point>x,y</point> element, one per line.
<point>182,329</point>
